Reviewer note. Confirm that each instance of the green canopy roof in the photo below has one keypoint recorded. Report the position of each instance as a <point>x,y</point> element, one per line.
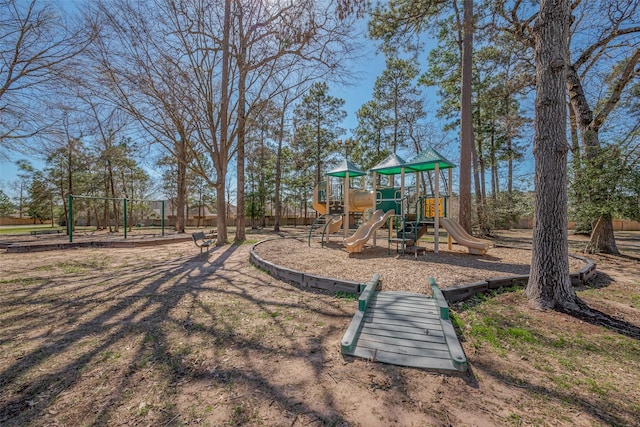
<point>427,160</point>
<point>344,167</point>
<point>392,165</point>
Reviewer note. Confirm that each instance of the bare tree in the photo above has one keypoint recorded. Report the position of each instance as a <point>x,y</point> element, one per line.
<point>279,38</point>
<point>36,45</point>
<point>191,73</point>
<point>138,73</point>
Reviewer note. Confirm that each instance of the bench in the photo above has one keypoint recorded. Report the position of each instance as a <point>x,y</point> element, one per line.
<point>201,241</point>
<point>38,232</point>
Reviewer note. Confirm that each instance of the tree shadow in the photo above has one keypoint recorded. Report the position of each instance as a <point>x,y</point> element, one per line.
<point>92,324</point>
<point>596,317</point>
<point>601,411</point>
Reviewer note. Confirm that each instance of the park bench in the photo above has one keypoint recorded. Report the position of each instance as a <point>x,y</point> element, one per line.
<point>202,241</point>
<point>39,232</point>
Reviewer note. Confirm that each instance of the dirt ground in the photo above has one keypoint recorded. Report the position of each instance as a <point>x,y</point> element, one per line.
<point>164,336</point>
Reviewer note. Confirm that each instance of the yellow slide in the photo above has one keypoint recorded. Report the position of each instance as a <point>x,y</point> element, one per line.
<point>355,243</point>
<point>474,245</point>
<point>334,225</point>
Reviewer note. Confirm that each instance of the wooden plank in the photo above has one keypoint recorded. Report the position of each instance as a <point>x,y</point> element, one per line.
<point>418,334</point>
<point>404,296</point>
<point>368,293</point>
<point>376,317</point>
<point>402,342</point>
<point>422,302</point>
<point>407,314</point>
<point>404,360</point>
<point>440,300</point>
<point>349,340</point>
<point>404,350</point>
<point>458,358</point>
<point>382,305</point>
<point>387,328</point>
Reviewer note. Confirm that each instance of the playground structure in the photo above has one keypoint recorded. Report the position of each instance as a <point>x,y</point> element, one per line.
<point>409,212</point>
<point>362,235</point>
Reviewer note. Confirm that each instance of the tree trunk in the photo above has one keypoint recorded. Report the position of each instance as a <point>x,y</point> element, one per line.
<point>602,237</point>
<point>276,220</point>
<point>241,219</point>
<point>479,181</point>
<point>466,119</point>
<point>224,131</point>
<point>181,184</point>
<point>478,178</point>
<point>604,240</point>
<point>221,213</point>
<point>549,284</point>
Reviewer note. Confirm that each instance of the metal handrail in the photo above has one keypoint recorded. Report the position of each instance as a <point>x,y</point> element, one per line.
<point>326,225</point>
<point>324,229</point>
<point>402,221</point>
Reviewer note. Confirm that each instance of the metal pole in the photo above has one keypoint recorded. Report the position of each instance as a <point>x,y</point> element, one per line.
<point>403,212</point>
<point>124,201</point>
<point>162,219</point>
<point>346,204</point>
<point>70,219</point>
<point>436,211</point>
<point>373,185</point>
<point>449,239</point>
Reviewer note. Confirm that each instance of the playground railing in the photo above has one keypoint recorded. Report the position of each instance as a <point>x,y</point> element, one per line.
<point>400,221</point>
<point>322,221</point>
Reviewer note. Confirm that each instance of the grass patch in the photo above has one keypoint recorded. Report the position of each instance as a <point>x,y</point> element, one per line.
<point>74,267</point>
<point>250,242</point>
<point>347,296</point>
<point>26,229</point>
<point>570,360</point>
<point>242,415</point>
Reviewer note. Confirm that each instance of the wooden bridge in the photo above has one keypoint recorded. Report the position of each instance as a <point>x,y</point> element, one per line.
<point>404,328</point>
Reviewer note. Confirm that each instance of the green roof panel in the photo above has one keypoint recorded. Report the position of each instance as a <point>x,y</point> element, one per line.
<point>344,167</point>
<point>392,165</point>
<point>427,160</point>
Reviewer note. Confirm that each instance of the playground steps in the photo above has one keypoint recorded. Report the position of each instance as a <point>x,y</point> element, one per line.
<point>413,230</point>
<point>404,328</point>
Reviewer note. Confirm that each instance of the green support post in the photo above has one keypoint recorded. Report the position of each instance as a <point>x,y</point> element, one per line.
<point>162,217</point>
<point>124,201</point>
<point>70,219</point>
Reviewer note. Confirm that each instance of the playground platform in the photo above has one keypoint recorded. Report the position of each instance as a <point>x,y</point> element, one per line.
<point>406,329</point>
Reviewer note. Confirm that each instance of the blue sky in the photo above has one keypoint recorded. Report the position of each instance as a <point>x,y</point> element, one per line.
<point>367,69</point>
<point>354,95</point>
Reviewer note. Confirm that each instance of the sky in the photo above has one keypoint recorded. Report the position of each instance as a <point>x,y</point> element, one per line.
<point>367,69</point>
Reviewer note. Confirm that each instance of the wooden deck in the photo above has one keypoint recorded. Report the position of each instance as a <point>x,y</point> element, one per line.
<point>406,329</point>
